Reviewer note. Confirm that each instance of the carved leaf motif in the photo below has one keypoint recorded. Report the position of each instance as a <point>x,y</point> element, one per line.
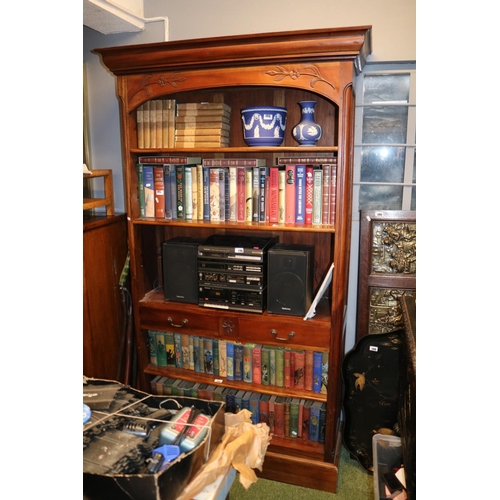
<point>294,74</point>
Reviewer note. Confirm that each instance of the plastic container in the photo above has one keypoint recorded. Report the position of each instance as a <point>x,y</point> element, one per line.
<point>387,455</point>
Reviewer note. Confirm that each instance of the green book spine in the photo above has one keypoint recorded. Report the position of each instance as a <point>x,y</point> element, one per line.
<point>167,386</point>
<point>153,358</point>
<point>178,350</point>
<point>216,356</point>
<point>280,365</point>
<point>161,353</point>
<point>294,417</point>
<point>265,359</point>
<point>272,366</point>
<point>170,348</point>
<point>198,363</point>
<point>140,188</point>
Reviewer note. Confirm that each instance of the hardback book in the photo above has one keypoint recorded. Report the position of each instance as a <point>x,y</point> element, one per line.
<point>238,361</point>
<point>206,193</point>
<point>290,194</point>
<point>273,193</point>
<point>299,369</point>
<point>306,418</point>
<point>280,367</point>
<point>202,142</point>
<point>325,212</point>
<point>170,348</point>
<point>230,360</point>
<point>240,194</point>
<point>226,193</point>
<point>196,113</point>
<point>197,357</point>
<point>153,356</point>
<point>263,174</point>
<point>153,383</point>
<point>172,160</point>
<point>322,424</point>
<point>272,400</point>
<point>164,123</point>
<point>194,390</point>
<point>222,358</point>
<point>147,126</point>
<point>214,195</point>
<point>159,185</point>
<point>203,105</point>
<point>255,407</point>
<point>210,391</point>
<point>175,387</point>
<point>245,401</point>
<point>181,388</point>
<point>201,192</point>
<point>169,178</point>
<point>173,190</point>
<point>224,393</point>
<point>159,123</point>
<point>178,350</point>
<point>317,369</point>
<point>324,373</point>
<point>294,417</point>
<point>248,194</point>
<point>247,362</point>
<point>233,194</point>
<point>309,160</point>
<point>281,196</point>
<point>265,366</point>
<point>191,352</point>
<point>198,133</point>
<point>309,194</point>
<point>222,194</point>
<point>231,400</point>
<point>272,366</point>
<point>203,122</point>
<point>149,190</point>
<point>257,364</point>
<point>167,386</point>
<point>188,389</point>
<point>159,385</point>
<point>171,108</point>
<point>234,162</point>
<point>300,200</point>
<point>185,350</point>
<point>202,391</point>
<point>255,194</point>
<point>152,124</point>
<point>161,353</point>
<point>314,418</point>
<point>301,417</point>
<point>238,399</point>
<point>286,405</point>
<point>264,408</point>
<point>218,393</point>
<point>188,193</point>
<point>179,182</point>
<point>308,370</point>
<point>140,126</point>
<point>215,352</point>
<point>208,355</point>
<point>140,189</point>
<point>333,194</point>
<point>317,196</point>
<point>287,368</point>
<point>279,416</point>
<point>194,192</point>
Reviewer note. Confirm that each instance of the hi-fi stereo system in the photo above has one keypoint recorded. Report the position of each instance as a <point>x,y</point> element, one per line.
<point>240,273</point>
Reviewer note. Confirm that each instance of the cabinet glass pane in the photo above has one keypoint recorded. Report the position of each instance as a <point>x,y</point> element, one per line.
<point>413,204</point>
<point>414,176</point>
<point>382,164</point>
<point>385,124</point>
<point>386,88</point>
<point>380,197</point>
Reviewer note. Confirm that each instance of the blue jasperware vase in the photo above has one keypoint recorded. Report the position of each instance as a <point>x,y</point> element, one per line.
<point>307,132</point>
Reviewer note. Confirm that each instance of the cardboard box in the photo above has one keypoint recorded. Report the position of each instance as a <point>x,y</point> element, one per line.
<point>387,455</point>
<point>105,444</point>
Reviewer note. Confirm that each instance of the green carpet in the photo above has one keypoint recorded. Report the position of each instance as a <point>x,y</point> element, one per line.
<point>354,483</point>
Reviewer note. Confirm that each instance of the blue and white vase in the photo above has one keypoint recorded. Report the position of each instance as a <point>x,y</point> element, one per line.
<point>307,132</point>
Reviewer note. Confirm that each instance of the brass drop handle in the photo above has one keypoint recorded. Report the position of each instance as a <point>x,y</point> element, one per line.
<point>275,333</point>
<point>171,322</point>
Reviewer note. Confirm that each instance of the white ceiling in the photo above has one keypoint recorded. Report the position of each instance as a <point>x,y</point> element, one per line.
<point>116,16</point>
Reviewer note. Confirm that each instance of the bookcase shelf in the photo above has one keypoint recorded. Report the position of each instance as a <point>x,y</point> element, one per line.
<point>108,200</point>
<point>279,69</point>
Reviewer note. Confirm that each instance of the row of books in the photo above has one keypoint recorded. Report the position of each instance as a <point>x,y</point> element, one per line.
<point>203,190</point>
<point>253,363</point>
<point>164,123</point>
<point>286,416</point>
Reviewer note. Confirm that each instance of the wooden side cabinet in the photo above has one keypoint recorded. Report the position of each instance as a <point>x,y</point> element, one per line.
<point>104,255</point>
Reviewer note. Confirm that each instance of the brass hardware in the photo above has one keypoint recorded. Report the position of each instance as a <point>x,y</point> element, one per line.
<point>275,333</point>
<point>171,322</point>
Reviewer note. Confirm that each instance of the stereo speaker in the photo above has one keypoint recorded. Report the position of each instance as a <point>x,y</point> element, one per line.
<point>180,269</point>
<point>290,275</point>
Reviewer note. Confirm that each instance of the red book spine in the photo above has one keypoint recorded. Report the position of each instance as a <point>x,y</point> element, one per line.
<point>326,194</point>
<point>299,369</point>
<point>309,194</point>
<point>287,379</point>
<point>264,409</point>
<point>159,186</point>
<point>290,195</point>
<point>333,193</point>
<point>301,418</point>
<point>305,421</point>
<point>308,371</point>
<point>257,364</point>
<point>279,416</point>
<point>240,194</point>
<point>273,194</point>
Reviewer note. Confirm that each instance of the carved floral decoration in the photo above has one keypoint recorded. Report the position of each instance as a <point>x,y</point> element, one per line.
<point>294,74</point>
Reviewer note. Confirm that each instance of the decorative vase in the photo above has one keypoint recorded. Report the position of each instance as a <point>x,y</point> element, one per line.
<point>307,132</point>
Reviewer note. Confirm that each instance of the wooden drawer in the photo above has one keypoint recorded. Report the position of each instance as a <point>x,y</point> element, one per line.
<point>271,330</point>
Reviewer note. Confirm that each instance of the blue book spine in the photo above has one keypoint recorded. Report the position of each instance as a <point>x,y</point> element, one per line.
<point>227,194</point>
<point>254,407</point>
<point>215,343</point>
<point>238,362</point>
<point>206,193</point>
<point>300,204</point>
<point>314,418</point>
<point>197,355</point>
<point>178,350</point>
<point>230,360</point>
<point>173,191</point>
<point>168,191</point>
<point>317,371</point>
